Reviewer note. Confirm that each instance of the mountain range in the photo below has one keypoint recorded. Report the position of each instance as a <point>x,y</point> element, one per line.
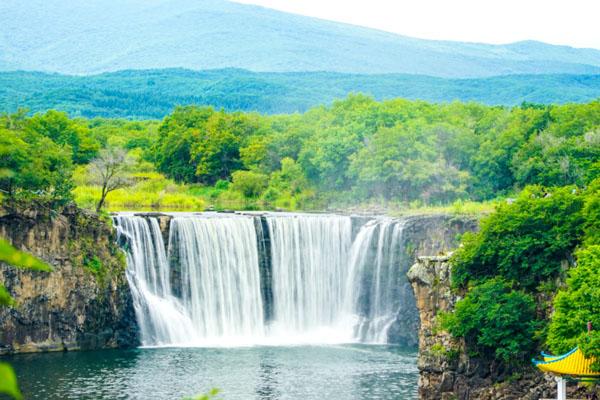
<point>90,37</point>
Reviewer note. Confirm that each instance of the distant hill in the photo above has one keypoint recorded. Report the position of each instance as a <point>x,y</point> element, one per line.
<point>154,93</point>
<point>88,37</point>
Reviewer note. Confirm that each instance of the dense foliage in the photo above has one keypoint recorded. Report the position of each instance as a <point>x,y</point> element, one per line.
<point>154,93</point>
<point>578,304</point>
<point>524,242</point>
<point>37,155</point>
<point>356,151</point>
<point>496,321</point>
<point>401,151</point>
<point>359,151</point>
<point>523,250</point>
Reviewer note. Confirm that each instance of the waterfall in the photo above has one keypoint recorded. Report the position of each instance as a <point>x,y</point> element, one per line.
<point>309,262</point>
<point>380,270</point>
<point>213,284</point>
<point>219,276</point>
<point>161,317</point>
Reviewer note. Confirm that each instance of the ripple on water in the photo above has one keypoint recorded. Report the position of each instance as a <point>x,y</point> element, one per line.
<point>264,373</point>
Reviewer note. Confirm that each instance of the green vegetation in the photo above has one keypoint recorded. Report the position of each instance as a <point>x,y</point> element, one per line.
<point>524,242</point>
<point>153,94</point>
<point>508,269</point>
<point>397,154</point>
<point>578,304</point>
<point>495,321</point>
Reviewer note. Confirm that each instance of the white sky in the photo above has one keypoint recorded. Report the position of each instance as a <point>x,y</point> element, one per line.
<point>570,22</point>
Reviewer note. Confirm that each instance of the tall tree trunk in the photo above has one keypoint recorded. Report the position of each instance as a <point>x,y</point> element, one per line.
<point>102,198</point>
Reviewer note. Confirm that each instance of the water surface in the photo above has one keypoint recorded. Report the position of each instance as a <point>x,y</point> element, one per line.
<point>341,372</point>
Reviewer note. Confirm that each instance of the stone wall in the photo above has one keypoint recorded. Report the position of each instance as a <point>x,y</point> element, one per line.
<point>84,303</point>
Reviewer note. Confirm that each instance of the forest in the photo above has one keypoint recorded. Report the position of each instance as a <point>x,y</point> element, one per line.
<point>534,169</point>
<point>396,153</point>
<point>152,94</point>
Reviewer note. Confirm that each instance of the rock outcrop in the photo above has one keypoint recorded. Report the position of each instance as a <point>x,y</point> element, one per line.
<point>446,371</point>
<point>423,235</point>
<point>84,303</point>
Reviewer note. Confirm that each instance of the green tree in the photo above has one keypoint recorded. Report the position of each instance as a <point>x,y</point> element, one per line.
<point>557,161</point>
<point>524,242</point>
<point>176,136</point>
<point>496,321</point>
<point>402,163</point>
<point>216,150</point>
<point>66,132</point>
<point>288,187</point>
<point>578,304</point>
<point>249,183</point>
<point>325,158</point>
<point>37,165</point>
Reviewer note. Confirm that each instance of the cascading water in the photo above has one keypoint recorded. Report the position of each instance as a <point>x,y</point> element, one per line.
<point>220,283</point>
<point>211,286</point>
<point>309,267</point>
<point>161,317</point>
<point>376,274</point>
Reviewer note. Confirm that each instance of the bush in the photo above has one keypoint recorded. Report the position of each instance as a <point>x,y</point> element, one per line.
<point>222,184</point>
<point>250,184</point>
<point>591,213</point>
<point>577,304</point>
<point>524,242</point>
<point>495,320</point>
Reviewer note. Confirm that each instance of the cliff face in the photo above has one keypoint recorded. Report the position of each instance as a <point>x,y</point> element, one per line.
<point>446,370</point>
<point>424,235</point>
<point>84,303</point>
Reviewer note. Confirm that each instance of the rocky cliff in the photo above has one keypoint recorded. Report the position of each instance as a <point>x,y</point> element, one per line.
<point>445,367</point>
<point>84,303</point>
<point>423,235</point>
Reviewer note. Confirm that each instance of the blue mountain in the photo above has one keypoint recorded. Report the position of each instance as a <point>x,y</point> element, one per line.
<point>95,36</point>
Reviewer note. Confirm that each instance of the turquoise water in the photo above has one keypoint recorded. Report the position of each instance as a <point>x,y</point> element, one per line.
<point>301,372</point>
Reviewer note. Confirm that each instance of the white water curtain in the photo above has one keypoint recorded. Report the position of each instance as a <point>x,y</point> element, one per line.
<point>205,289</point>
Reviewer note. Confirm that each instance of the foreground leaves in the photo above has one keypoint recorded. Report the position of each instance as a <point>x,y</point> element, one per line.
<point>19,259</point>
<point>8,382</point>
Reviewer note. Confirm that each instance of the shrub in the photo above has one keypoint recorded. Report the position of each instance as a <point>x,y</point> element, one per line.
<point>222,184</point>
<point>523,242</point>
<point>250,184</point>
<point>577,304</point>
<point>591,212</point>
<point>496,321</point>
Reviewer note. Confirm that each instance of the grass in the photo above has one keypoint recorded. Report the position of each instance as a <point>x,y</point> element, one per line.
<point>459,207</point>
<point>152,191</point>
<point>135,199</point>
<point>161,194</point>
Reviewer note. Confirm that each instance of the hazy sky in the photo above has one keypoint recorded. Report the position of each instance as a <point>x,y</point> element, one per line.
<point>571,22</point>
